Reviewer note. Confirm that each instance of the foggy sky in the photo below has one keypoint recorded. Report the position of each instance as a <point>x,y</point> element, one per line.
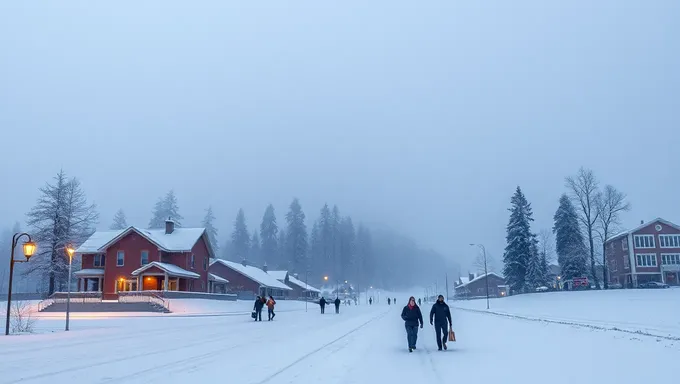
<point>423,116</point>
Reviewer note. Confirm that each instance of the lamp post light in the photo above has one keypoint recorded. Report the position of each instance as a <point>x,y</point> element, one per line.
<point>70,251</point>
<point>486,273</point>
<point>29,250</point>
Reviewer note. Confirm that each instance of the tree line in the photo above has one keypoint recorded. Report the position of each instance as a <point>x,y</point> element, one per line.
<point>586,217</point>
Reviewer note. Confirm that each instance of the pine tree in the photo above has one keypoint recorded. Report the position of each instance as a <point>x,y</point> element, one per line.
<point>166,207</point>
<point>365,256</point>
<point>535,276</point>
<point>255,252</point>
<point>208,224</point>
<point>325,240</point>
<point>347,249</point>
<point>335,221</point>
<point>268,234</point>
<point>569,245</point>
<point>240,238</point>
<point>296,241</point>
<point>521,243</point>
<point>119,220</point>
<point>61,216</point>
<point>282,251</point>
<point>314,255</point>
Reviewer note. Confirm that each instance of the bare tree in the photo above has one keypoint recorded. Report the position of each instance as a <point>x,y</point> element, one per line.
<point>61,216</point>
<point>21,317</point>
<point>547,245</point>
<point>610,203</point>
<point>479,263</point>
<point>584,192</point>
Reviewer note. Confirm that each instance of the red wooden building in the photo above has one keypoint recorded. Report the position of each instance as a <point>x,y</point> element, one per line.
<point>248,279</point>
<point>650,252</point>
<point>133,259</point>
<point>300,290</point>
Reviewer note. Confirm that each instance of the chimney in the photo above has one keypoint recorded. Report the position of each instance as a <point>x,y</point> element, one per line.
<point>642,222</point>
<point>244,262</point>
<point>471,276</point>
<point>264,267</point>
<point>169,226</point>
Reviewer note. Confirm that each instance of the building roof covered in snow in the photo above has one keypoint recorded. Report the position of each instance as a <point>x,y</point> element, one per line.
<point>170,269</point>
<point>217,279</point>
<point>253,273</point>
<point>479,277</point>
<point>643,225</point>
<point>179,240</point>
<point>301,284</point>
<point>279,275</point>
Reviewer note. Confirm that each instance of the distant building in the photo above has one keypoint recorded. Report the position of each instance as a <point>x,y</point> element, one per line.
<point>475,286</point>
<point>247,280</point>
<point>649,252</point>
<point>300,290</point>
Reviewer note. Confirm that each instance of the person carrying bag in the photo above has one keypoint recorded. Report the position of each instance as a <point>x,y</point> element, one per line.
<point>440,315</point>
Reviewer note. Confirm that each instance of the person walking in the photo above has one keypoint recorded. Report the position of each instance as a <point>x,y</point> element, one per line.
<point>419,302</point>
<point>270,308</point>
<point>395,300</point>
<point>370,301</point>
<point>322,304</point>
<point>337,305</point>
<point>441,315</point>
<point>388,301</point>
<point>412,317</point>
<point>258,308</point>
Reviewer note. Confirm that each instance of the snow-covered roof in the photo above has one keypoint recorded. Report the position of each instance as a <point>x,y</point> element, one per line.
<point>99,238</point>
<point>90,272</point>
<point>481,276</point>
<point>278,275</point>
<point>253,273</point>
<point>180,240</point>
<point>464,280</point>
<point>170,269</point>
<point>643,225</point>
<point>216,278</point>
<point>302,284</point>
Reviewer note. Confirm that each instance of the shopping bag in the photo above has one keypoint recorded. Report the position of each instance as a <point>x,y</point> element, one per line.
<point>452,335</point>
<point>253,315</point>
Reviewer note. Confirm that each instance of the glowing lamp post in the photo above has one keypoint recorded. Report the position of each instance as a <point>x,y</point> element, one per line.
<point>70,251</point>
<point>29,248</point>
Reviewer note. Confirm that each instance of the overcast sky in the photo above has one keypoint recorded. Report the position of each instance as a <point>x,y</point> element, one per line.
<point>423,116</point>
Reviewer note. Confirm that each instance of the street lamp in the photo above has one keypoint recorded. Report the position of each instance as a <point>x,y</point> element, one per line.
<point>486,273</point>
<point>29,250</point>
<point>70,251</point>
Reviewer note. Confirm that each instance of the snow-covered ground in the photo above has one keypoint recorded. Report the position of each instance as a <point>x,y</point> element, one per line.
<point>653,311</point>
<point>364,344</point>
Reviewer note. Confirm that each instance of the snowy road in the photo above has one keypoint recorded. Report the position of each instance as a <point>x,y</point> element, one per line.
<point>361,345</point>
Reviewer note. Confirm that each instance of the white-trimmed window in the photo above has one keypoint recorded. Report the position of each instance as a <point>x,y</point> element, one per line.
<point>670,258</point>
<point>145,258</point>
<point>99,260</point>
<point>120,258</point>
<point>669,241</point>
<point>645,260</point>
<point>193,261</point>
<point>624,243</point>
<point>626,262</point>
<point>644,241</point>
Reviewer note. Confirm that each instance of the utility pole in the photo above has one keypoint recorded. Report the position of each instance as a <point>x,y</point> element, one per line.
<point>447,287</point>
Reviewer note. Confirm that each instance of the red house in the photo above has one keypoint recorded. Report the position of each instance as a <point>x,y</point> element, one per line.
<point>133,259</point>
<point>248,280</point>
<point>300,290</point>
<point>650,252</point>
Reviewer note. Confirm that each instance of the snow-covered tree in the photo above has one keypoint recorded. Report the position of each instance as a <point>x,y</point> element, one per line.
<point>569,246</point>
<point>314,255</point>
<point>119,220</point>
<point>240,238</point>
<point>478,263</point>
<point>296,241</point>
<point>62,216</point>
<point>347,249</point>
<point>335,221</point>
<point>268,236</point>
<point>521,243</point>
<point>281,261</point>
<point>166,207</point>
<point>326,261</point>
<point>209,225</point>
<point>536,272</point>
<point>610,203</point>
<point>365,257</point>
<point>584,192</point>
<point>255,251</point>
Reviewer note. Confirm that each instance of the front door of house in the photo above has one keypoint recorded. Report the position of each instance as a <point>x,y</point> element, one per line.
<point>172,285</point>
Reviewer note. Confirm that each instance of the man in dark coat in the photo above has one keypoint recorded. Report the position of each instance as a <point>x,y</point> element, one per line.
<point>259,304</point>
<point>441,315</point>
<point>412,317</point>
<point>337,305</point>
<point>322,304</point>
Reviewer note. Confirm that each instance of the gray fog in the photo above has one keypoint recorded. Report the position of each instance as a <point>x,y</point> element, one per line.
<point>420,116</point>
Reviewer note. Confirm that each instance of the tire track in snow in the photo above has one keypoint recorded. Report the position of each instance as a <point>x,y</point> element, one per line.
<point>326,345</point>
<point>637,332</point>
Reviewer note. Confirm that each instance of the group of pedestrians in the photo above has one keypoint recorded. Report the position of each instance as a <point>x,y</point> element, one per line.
<point>323,302</point>
<point>440,317</point>
<point>260,302</point>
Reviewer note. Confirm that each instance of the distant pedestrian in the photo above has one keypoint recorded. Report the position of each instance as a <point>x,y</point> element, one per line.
<point>419,301</point>
<point>388,301</point>
<point>412,317</point>
<point>270,308</point>
<point>440,313</point>
<point>259,304</point>
<point>322,304</point>
<point>337,305</point>
<point>370,301</point>
<point>394,301</point>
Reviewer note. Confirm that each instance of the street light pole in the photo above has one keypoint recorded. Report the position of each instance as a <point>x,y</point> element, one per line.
<point>29,250</point>
<point>69,252</point>
<point>486,273</point>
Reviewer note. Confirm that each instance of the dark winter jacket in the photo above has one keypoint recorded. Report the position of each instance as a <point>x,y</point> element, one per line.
<point>440,313</point>
<point>259,304</point>
<point>412,316</point>
<point>337,302</point>
<point>322,302</point>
